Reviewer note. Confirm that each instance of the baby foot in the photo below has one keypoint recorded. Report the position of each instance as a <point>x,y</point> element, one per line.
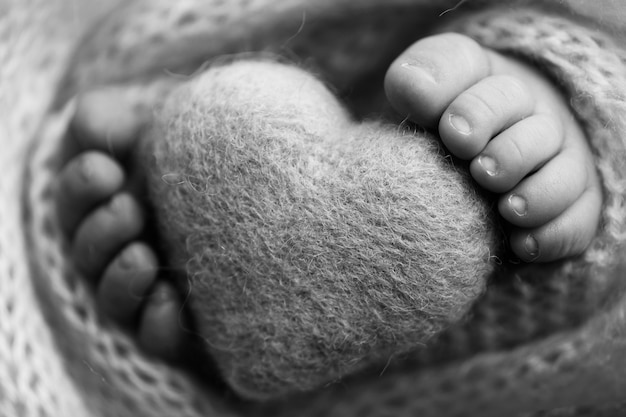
<point>517,130</point>
<point>101,214</point>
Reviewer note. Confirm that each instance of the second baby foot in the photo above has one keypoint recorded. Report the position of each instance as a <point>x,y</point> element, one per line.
<point>101,214</point>
<point>519,133</point>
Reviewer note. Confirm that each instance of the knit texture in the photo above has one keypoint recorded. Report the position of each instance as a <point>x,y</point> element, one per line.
<point>538,339</point>
<point>313,246</point>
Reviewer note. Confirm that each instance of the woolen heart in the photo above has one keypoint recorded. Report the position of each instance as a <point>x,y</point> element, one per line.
<point>313,245</point>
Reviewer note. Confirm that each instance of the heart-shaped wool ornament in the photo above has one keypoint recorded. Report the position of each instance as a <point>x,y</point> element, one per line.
<point>313,245</point>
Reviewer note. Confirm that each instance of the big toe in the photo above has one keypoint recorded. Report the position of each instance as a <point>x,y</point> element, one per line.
<point>431,73</point>
<point>108,121</point>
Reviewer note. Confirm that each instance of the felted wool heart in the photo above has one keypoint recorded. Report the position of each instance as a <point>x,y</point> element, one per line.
<point>313,245</point>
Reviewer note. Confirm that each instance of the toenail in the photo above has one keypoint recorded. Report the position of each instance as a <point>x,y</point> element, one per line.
<point>161,296</point>
<point>489,165</point>
<point>86,169</point>
<point>531,247</point>
<point>120,204</point>
<point>460,124</point>
<point>421,69</point>
<point>128,259</point>
<point>518,204</point>
<point>116,204</point>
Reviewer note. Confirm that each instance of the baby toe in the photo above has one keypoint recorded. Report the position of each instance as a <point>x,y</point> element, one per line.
<point>104,233</point>
<point>481,112</point>
<point>126,282</point>
<point>425,78</point>
<point>548,192</point>
<point>107,121</point>
<point>569,234</point>
<point>84,182</point>
<point>517,152</point>
<point>162,326</point>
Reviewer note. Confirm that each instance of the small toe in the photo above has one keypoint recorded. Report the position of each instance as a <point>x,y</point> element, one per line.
<point>126,282</point>
<point>162,327</point>
<point>481,112</point>
<point>107,121</point>
<point>516,152</point>
<point>548,192</point>
<point>84,182</point>
<point>431,73</point>
<point>105,232</point>
<point>567,235</point>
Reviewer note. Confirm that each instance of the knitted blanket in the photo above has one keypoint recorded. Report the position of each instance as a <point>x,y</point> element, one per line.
<point>543,338</point>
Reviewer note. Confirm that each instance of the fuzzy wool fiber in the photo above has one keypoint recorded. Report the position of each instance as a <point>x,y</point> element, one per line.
<point>313,245</point>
